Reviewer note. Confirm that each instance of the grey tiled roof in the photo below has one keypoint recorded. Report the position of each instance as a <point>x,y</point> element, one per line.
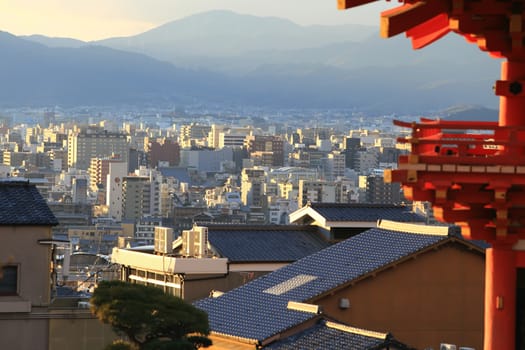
<point>366,212</point>
<point>323,336</point>
<point>268,243</point>
<point>22,204</point>
<point>258,310</point>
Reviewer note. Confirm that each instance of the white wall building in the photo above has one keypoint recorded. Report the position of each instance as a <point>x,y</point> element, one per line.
<point>117,172</point>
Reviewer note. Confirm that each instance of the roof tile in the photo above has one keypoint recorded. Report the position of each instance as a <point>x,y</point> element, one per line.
<point>271,243</point>
<point>322,335</point>
<point>366,212</point>
<point>251,312</point>
<point>22,204</point>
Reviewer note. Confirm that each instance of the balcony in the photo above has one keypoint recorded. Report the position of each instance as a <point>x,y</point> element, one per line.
<point>169,264</point>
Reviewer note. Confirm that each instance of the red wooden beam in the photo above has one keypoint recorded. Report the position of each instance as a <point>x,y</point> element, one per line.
<point>408,16</point>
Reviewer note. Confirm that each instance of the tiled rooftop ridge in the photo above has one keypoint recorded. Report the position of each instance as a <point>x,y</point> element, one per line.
<point>355,330</point>
<point>413,228</point>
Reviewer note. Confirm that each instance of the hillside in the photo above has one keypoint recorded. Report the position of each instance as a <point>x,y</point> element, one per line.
<point>223,57</point>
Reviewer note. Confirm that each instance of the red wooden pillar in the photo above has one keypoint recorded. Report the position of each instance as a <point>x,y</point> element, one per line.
<point>497,27</point>
<point>501,260</point>
<point>500,298</point>
<point>511,89</point>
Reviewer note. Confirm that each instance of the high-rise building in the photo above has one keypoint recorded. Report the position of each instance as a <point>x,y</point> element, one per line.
<point>231,139</point>
<point>366,160</point>
<point>79,190</point>
<point>98,171</point>
<point>193,134</point>
<point>351,146</point>
<point>165,150</point>
<point>141,194</point>
<point>145,229</point>
<point>213,135</point>
<point>377,191</point>
<point>221,136</point>
<point>136,197</point>
<point>58,159</point>
<point>253,182</point>
<point>114,190</point>
<point>273,144</point>
<point>136,159</point>
<point>262,158</point>
<point>320,191</point>
<point>316,191</point>
<point>87,144</point>
<point>299,158</point>
<point>33,135</point>
<point>334,165</point>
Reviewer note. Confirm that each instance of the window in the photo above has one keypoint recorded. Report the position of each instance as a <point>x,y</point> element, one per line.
<point>8,280</point>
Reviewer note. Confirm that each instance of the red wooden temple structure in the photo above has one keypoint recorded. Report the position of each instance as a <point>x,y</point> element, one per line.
<point>474,172</point>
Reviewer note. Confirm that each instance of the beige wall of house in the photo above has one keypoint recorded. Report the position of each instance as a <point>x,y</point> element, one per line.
<point>19,247</point>
<point>27,320</point>
<point>436,297</point>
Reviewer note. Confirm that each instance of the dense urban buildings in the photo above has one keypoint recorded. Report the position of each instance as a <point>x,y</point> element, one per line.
<point>128,169</point>
<point>282,190</point>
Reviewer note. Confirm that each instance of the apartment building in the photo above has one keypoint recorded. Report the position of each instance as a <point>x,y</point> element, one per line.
<point>98,171</point>
<point>253,181</point>
<point>193,135</point>
<point>258,145</point>
<point>88,143</point>
<point>165,150</point>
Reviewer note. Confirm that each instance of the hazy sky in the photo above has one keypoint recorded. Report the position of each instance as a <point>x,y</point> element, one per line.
<point>97,19</point>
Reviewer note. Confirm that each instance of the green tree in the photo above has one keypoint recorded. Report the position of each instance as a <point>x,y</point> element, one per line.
<point>149,318</point>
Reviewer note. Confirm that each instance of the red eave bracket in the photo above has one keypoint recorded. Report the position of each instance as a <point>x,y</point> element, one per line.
<point>346,4</point>
<point>428,32</point>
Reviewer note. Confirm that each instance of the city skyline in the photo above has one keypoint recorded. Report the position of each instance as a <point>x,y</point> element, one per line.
<point>97,20</point>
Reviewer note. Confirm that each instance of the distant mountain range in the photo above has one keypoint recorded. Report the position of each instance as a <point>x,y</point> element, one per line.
<point>223,57</point>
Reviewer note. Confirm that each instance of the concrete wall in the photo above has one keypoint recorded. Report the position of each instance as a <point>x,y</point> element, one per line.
<point>23,334</point>
<point>79,334</point>
<point>432,299</point>
<point>46,329</point>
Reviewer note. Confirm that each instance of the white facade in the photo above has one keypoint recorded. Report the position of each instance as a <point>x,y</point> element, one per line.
<point>334,166</point>
<point>367,160</point>
<point>279,212</point>
<point>117,171</point>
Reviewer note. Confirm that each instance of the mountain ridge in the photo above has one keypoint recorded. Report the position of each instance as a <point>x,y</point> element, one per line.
<point>368,74</point>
